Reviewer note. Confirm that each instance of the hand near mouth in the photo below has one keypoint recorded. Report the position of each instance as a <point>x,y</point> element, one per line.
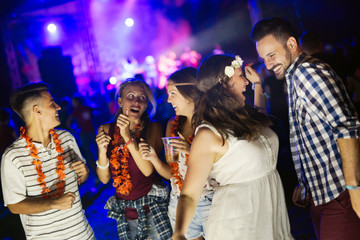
<point>123,122</point>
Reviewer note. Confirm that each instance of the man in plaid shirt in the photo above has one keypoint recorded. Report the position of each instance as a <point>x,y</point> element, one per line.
<point>324,132</point>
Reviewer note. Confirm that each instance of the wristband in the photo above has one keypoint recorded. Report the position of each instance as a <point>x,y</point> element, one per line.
<point>102,167</point>
<point>125,144</point>
<point>352,187</point>
<point>128,142</point>
<point>253,85</point>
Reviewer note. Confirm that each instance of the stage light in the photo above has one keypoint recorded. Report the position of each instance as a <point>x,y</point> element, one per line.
<point>113,80</point>
<point>129,22</point>
<point>51,28</point>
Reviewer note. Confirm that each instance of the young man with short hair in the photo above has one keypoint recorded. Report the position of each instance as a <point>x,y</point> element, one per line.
<point>324,131</point>
<point>41,170</point>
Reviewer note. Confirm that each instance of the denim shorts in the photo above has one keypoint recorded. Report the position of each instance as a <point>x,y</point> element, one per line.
<point>198,223</point>
<point>133,227</point>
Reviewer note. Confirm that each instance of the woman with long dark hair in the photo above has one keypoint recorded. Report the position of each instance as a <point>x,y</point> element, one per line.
<point>234,146</point>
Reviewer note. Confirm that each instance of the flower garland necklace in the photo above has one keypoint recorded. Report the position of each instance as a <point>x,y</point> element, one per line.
<point>119,161</point>
<point>174,128</point>
<point>59,169</point>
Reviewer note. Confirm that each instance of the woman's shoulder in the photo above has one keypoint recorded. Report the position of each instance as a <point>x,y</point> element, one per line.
<point>204,125</point>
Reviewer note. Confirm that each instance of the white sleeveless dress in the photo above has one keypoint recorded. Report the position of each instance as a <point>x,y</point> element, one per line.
<point>249,202</point>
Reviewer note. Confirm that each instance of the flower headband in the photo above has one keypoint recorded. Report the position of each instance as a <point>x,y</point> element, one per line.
<point>230,70</point>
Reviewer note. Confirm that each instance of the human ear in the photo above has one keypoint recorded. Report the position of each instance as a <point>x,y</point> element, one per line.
<point>36,109</point>
<point>291,44</point>
<point>120,101</point>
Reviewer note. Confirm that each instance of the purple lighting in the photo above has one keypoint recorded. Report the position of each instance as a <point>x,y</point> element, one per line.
<point>129,22</point>
<point>51,28</point>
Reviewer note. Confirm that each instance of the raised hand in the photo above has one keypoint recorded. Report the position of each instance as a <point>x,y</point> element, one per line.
<point>102,140</point>
<point>123,122</point>
<point>146,151</point>
<point>251,74</point>
<point>181,144</point>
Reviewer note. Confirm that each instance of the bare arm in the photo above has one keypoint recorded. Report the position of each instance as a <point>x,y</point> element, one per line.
<point>259,97</point>
<point>350,156</point>
<point>206,149</point>
<point>38,205</point>
<point>148,153</point>
<point>154,139</point>
<point>103,140</point>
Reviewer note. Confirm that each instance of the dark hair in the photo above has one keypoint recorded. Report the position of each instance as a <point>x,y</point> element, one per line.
<point>220,108</point>
<point>77,97</point>
<point>310,41</point>
<point>212,71</point>
<point>190,92</point>
<point>186,75</point>
<point>5,115</point>
<point>23,96</point>
<point>280,28</point>
<point>149,94</point>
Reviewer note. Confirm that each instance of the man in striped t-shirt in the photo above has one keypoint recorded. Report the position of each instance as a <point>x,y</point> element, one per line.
<point>41,170</point>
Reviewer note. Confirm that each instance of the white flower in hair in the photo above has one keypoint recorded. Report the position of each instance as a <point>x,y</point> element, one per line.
<point>239,60</point>
<point>229,71</point>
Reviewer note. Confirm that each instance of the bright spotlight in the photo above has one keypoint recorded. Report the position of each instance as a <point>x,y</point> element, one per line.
<point>113,80</point>
<point>129,22</point>
<point>51,28</point>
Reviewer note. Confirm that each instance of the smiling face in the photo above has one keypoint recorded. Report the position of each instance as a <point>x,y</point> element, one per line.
<point>49,111</point>
<point>181,105</point>
<point>133,101</point>
<point>237,85</point>
<point>276,56</point>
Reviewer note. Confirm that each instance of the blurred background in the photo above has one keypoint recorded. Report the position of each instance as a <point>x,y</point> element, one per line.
<point>85,48</point>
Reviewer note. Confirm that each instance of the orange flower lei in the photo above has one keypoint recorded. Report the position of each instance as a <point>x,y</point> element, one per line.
<point>119,161</point>
<point>175,165</point>
<point>59,169</point>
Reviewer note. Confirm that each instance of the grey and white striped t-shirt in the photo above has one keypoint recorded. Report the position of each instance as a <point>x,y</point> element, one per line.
<point>19,181</point>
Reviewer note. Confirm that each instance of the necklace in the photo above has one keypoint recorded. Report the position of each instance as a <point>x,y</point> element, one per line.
<point>174,128</point>
<point>119,162</point>
<point>59,169</point>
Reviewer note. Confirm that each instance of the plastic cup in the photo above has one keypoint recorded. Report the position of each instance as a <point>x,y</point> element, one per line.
<point>171,155</point>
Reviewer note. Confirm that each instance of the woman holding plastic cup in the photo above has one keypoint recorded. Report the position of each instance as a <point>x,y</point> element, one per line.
<point>182,94</point>
<point>139,206</point>
<point>233,145</point>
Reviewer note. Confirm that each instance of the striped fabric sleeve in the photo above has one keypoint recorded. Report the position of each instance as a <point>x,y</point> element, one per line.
<point>12,180</point>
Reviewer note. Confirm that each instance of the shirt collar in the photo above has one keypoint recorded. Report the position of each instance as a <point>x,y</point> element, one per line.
<point>291,69</point>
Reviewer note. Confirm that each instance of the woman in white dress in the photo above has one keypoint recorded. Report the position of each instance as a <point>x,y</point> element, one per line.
<point>234,147</point>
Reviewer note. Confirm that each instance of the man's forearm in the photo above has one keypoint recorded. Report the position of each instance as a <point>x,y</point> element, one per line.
<point>350,156</point>
<point>31,206</point>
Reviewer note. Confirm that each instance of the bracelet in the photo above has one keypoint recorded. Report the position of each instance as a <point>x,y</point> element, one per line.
<point>128,142</point>
<point>352,187</point>
<point>102,167</point>
<point>253,85</point>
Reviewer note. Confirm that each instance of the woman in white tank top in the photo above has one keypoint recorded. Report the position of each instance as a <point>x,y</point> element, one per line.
<point>234,147</point>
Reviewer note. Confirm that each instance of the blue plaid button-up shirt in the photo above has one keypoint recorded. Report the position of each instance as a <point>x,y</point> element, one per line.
<point>320,112</point>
